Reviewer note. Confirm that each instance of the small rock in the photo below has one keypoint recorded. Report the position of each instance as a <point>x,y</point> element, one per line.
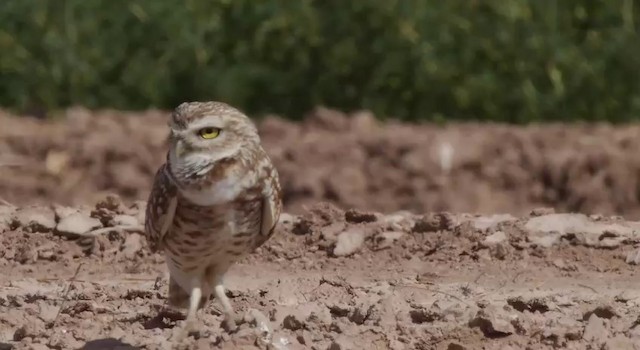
<point>349,242</point>
<point>361,313</point>
<point>625,296</point>
<point>132,245</point>
<point>245,337</point>
<point>47,254</point>
<point>111,202</point>
<point>357,217</point>
<point>493,322</point>
<point>633,257</point>
<point>422,315</point>
<point>530,304</point>
<point>62,211</point>
<point>559,263</point>
<point>495,239</point>
<point>292,322</point>
<point>20,333</point>
<point>36,219</point>
<point>544,240</point>
<point>334,346</point>
<point>261,324</point>
<point>331,232</point>
<point>304,338</point>
<point>399,221</point>
<point>496,244</point>
<point>456,346</point>
<point>602,311</point>
<point>26,253</point>
<point>125,220</point>
<point>77,224</point>
<point>542,211</point>
<point>47,251</point>
<point>47,311</point>
<point>595,331</point>
<point>433,222</point>
<point>302,227</point>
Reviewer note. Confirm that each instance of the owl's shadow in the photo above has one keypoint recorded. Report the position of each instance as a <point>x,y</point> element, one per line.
<point>164,319</point>
<point>108,344</point>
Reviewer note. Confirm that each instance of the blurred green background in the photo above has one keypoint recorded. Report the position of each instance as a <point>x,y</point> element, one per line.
<point>499,60</point>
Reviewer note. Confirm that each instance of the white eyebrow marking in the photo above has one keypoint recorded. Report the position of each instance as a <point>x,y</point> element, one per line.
<point>207,121</point>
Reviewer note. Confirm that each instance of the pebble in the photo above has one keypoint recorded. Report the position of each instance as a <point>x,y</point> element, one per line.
<point>456,346</point>
<point>62,211</point>
<point>262,325</point>
<point>633,257</point>
<point>493,322</point>
<point>332,231</point>
<point>349,242</point>
<point>495,239</point>
<point>77,224</point>
<point>292,322</point>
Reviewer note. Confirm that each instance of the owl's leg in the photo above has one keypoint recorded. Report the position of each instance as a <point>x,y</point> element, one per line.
<point>194,303</point>
<point>229,314</point>
<point>194,300</point>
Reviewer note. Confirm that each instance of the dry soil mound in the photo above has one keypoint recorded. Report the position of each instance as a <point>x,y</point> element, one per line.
<point>351,161</point>
<point>331,279</point>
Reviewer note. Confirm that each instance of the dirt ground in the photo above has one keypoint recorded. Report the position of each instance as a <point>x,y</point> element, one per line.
<point>375,250</point>
<point>353,162</point>
<point>331,279</point>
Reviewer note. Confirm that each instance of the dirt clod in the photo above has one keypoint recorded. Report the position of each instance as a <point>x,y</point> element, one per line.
<point>595,331</point>
<point>35,219</point>
<point>77,224</point>
<point>349,242</point>
<point>441,286</point>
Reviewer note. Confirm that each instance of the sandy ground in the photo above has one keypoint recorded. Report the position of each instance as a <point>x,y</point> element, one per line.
<point>353,162</point>
<point>373,252</point>
<point>331,279</point>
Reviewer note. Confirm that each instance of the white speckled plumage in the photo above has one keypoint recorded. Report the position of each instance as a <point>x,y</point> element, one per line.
<point>213,202</point>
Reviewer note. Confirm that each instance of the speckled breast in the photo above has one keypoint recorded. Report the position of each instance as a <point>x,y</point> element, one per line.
<point>214,235</point>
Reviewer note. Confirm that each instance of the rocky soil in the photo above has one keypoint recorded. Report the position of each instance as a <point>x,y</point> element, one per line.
<point>330,279</point>
<point>351,161</point>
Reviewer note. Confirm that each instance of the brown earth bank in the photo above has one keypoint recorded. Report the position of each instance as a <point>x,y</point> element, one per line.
<point>352,161</point>
<point>330,279</point>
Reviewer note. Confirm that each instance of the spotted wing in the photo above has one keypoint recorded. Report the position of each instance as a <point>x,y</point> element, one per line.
<point>161,208</point>
<point>271,206</point>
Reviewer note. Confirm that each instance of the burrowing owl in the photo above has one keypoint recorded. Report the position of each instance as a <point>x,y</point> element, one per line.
<point>215,200</point>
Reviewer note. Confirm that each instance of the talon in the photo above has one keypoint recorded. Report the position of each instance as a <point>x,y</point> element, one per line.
<point>230,323</point>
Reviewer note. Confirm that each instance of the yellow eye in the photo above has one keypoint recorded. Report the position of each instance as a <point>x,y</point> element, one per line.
<point>209,133</point>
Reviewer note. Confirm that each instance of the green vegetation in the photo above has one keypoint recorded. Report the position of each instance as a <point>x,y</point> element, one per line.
<point>502,60</point>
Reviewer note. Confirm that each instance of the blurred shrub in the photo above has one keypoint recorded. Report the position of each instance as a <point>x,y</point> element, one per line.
<point>503,60</point>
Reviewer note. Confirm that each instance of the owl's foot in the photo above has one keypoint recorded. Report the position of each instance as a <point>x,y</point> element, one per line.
<point>230,323</point>
<point>231,319</point>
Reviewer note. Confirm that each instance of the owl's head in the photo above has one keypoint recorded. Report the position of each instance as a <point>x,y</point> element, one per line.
<point>204,133</point>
